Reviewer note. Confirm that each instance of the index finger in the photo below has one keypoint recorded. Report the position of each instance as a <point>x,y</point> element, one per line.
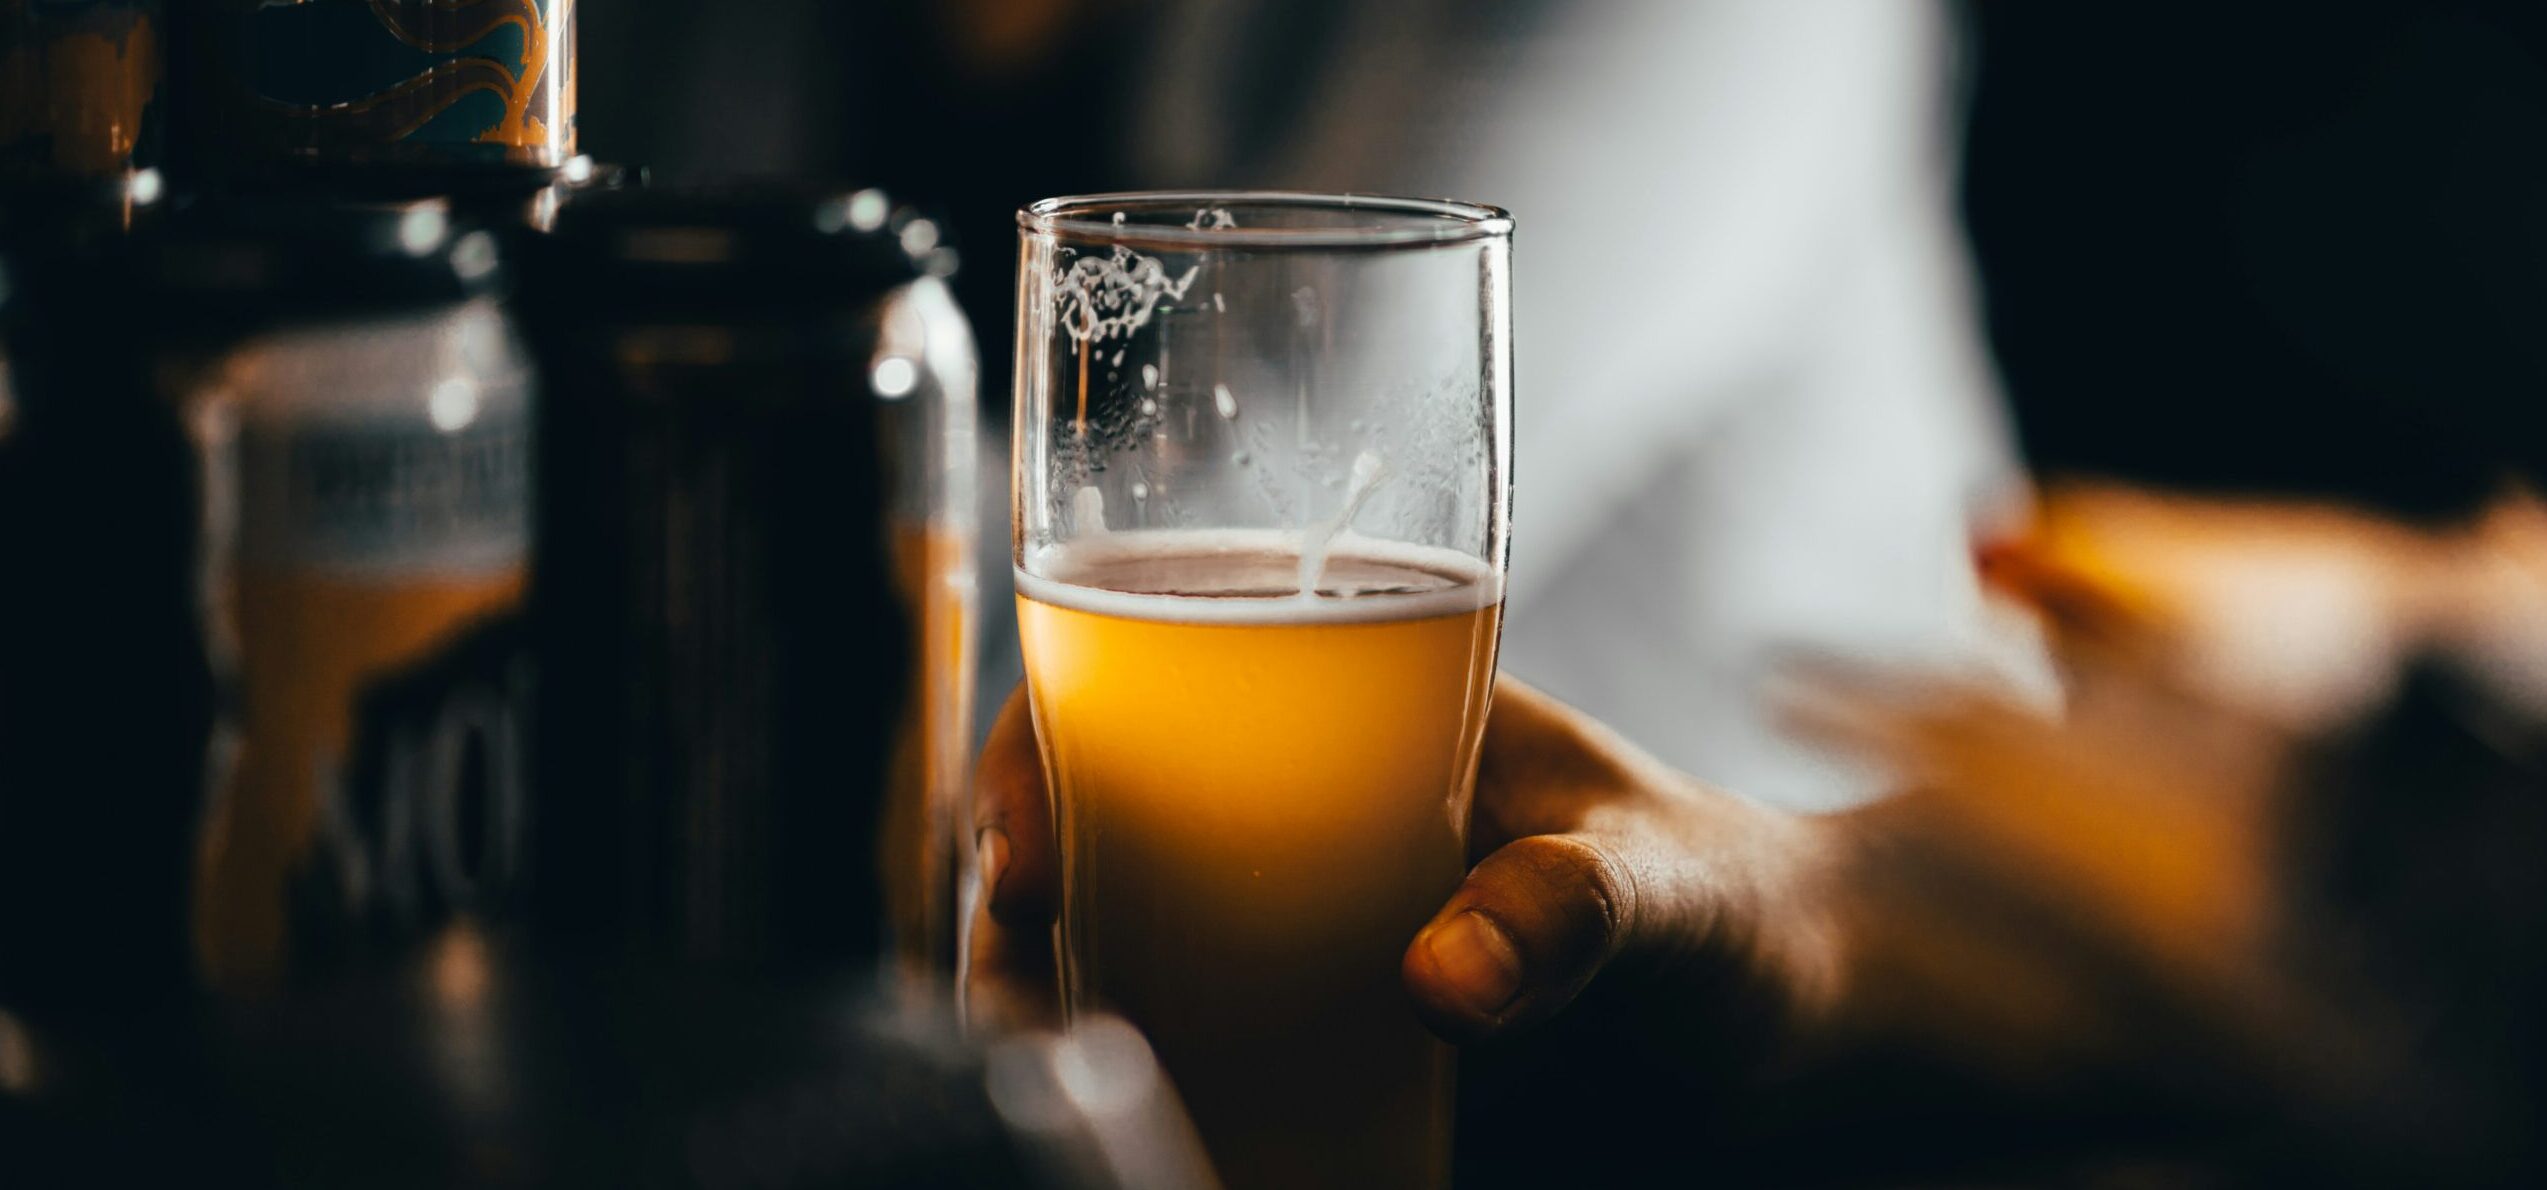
<point>1544,768</point>
<point>1020,875</point>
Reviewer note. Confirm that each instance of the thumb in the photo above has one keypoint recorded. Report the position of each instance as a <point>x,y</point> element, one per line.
<point>1532,925</point>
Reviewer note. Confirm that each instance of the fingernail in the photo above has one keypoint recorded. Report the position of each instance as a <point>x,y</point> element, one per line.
<point>1477,960</point>
<point>991,849</point>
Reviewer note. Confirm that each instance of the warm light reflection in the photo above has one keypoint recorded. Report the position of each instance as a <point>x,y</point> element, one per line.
<point>17,1057</point>
<point>464,1030</point>
<point>460,969</point>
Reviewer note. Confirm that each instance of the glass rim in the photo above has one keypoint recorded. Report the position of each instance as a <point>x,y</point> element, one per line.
<point>1420,221</point>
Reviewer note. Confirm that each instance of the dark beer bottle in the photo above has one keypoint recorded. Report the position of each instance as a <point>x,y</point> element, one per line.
<point>754,582</point>
<point>357,99</point>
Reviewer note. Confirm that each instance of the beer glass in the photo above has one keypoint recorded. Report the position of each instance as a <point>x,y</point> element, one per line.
<point>1263,460</point>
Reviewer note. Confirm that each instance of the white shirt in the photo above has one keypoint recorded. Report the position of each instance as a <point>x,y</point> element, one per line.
<point>1753,416</point>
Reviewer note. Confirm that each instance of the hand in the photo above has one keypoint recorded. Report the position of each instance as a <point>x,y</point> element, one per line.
<point>1594,858</point>
<point>1641,959</point>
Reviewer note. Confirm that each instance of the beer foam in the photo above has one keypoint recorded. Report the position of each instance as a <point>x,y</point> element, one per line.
<point>1250,576</point>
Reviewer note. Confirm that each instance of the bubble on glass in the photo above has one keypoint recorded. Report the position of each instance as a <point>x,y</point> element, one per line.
<point>1149,375</point>
<point>1225,401</point>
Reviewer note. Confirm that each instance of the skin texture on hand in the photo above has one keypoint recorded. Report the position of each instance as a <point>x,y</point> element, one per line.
<point>1590,856</point>
<point>1011,975</point>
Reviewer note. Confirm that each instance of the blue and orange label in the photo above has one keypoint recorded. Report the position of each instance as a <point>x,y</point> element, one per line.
<point>459,82</point>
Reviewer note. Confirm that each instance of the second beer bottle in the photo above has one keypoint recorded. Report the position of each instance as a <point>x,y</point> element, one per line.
<point>754,586</point>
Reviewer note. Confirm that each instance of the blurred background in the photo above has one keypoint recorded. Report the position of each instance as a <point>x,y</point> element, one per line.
<point>1801,282</point>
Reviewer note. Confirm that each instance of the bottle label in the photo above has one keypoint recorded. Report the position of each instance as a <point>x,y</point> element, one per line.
<point>382,676</point>
<point>390,500</point>
<point>419,81</point>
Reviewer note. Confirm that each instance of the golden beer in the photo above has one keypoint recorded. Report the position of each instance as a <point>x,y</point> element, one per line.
<point>1262,795</point>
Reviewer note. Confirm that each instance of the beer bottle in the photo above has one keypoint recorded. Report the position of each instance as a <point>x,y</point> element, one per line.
<point>473,103</point>
<point>754,588</point>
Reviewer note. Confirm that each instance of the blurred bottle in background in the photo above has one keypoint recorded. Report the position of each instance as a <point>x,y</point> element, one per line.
<point>755,576</point>
<point>755,570</point>
<point>81,88</point>
<point>239,504</point>
<point>276,458</point>
<point>319,858</point>
<point>83,110</point>
<point>379,435</point>
<point>106,684</point>
<point>435,92</point>
<point>474,103</point>
<point>267,499</point>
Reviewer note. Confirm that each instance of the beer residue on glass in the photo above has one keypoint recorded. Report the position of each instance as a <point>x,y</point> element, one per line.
<point>1316,541</point>
<point>1110,297</point>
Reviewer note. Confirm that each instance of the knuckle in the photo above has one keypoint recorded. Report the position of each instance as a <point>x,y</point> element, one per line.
<point>1007,789</point>
<point>1590,886</point>
<point>993,794</point>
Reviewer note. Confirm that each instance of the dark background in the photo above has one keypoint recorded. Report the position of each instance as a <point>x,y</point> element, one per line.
<point>2281,247</point>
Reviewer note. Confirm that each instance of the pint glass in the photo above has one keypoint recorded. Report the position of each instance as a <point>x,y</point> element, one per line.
<point>1263,472</point>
